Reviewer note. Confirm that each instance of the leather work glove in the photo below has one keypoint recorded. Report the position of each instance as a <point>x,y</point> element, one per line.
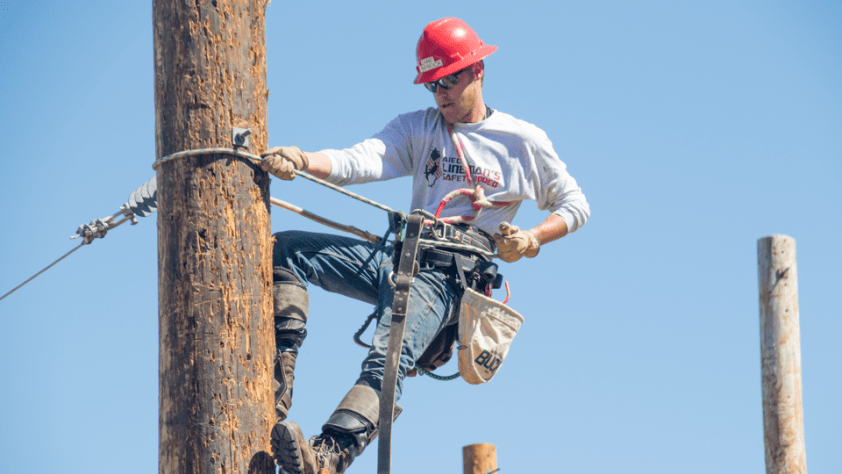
<point>282,161</point>
<point>513,243</point>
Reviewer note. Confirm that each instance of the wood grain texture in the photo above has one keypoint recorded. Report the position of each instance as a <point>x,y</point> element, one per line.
<point>479,458</point>
<point>214,240</point>
<point>780,351</point>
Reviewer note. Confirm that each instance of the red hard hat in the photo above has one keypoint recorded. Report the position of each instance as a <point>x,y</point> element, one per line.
<point>446,46</point>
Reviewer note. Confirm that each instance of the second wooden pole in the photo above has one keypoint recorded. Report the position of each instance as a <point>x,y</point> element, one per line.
<point>780,351</point>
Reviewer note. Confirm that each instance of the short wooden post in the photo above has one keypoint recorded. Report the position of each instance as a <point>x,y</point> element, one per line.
<point>780,354</point>
<point>479,459</point>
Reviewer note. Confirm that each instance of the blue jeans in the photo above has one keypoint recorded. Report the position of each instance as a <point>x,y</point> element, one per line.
<point>360,270</point>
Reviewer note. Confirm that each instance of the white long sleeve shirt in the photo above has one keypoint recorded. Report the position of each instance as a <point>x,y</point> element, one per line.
<point>513,161</point>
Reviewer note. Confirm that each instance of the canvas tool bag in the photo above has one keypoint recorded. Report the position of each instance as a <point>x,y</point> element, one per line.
<point>486,329</point>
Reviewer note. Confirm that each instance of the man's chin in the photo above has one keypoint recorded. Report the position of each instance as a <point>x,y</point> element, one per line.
<point>448,114</point>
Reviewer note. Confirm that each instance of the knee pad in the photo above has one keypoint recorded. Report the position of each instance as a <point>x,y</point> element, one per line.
<point>357,416</point>
<point>285,275</point>
<point>290,297</point>
<point>291,303</point>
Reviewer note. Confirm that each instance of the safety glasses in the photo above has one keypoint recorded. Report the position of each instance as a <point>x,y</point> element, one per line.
<point>445,82</point>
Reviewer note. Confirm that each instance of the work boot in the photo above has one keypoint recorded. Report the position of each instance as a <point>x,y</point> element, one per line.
<point>351,427</point>
<point>333,452</point>
<point>284,373</point>
<point>291,451</point>
<point>323,454</point>
<point>291,305</point>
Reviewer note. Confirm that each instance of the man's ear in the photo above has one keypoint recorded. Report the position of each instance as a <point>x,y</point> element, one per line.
<point>477,70</point>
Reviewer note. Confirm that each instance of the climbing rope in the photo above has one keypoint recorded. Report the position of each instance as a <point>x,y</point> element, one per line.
<point>344,191</point>
<point>205,151</point>
<point>476,193</point>
<point>257,158</point>
<point>433,376</point>
<point>477,203</point>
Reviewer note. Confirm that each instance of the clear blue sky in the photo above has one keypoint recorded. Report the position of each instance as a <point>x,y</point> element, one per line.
<point>694,128</point>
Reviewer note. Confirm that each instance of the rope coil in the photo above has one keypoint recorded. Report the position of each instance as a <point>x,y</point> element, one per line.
<point>476,194</point>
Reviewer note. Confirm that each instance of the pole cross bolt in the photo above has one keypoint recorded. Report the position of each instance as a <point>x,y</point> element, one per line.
<point>240,137</point>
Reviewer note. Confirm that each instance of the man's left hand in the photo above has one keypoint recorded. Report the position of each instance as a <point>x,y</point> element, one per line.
<point>513,243</point>
<point>284,161</point>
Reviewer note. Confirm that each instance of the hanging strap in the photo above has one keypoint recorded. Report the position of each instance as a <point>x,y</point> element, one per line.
<point>400,302</point>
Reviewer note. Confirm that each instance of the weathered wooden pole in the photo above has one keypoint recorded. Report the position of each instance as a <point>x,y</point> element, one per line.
<point>479,459</point>
<point>214,249</point>
<point>780,356</point>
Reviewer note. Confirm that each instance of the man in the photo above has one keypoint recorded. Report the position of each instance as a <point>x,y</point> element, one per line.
<point>509,159</point>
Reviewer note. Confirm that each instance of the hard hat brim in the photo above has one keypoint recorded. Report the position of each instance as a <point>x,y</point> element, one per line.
<point>435,74</point>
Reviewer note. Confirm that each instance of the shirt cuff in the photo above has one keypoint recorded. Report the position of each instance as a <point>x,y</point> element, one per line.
<point>568,219</point>
<point>335,176</point>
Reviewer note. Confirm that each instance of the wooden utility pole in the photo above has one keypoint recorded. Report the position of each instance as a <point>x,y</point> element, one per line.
<point>479,459</point>
<point>214,248</point>
<point>780,356</point>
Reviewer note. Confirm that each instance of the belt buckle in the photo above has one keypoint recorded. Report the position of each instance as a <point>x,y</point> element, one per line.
<point>442,227</point>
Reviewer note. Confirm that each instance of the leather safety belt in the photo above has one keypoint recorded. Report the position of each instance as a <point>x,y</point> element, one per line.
<point>403,281</point>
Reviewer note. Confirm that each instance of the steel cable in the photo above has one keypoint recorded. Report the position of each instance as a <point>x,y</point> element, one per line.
<point>42,271</point>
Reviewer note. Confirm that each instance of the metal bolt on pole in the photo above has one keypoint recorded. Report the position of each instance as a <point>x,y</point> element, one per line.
<point>780,353</point>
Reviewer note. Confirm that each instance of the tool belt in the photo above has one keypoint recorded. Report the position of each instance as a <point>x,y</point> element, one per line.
<point>470,270</point>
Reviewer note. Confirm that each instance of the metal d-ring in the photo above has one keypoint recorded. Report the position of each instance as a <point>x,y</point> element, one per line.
<point>415,269</point>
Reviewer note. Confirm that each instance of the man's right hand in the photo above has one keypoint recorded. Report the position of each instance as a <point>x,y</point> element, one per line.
<point>513,243</point>
<point>283,161</point>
